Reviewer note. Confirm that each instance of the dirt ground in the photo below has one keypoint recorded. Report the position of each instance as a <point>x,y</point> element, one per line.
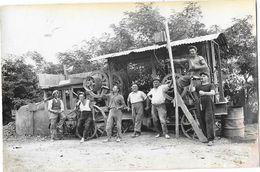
<point>145,152</point>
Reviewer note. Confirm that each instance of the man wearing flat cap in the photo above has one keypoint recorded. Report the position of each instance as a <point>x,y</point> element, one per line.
<point>159,112</point>
<point>197,64</point>
<point>56,109</point>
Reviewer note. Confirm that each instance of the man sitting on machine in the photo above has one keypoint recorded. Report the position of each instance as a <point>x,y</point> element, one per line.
<point>197,65</point>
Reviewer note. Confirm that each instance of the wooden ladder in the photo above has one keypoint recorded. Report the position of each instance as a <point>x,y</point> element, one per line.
<point>180,104</point>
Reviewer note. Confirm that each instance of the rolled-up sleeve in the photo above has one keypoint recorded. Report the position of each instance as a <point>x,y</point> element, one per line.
<point>61,106</point>
<point>49,105</point>
<point>165,87</point>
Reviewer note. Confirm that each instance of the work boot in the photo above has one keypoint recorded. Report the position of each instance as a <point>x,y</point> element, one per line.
<point>134,135</point>
<point>107,140</point>
<point>210,143</point>
<point>137,134</point>
<point>82,140</point>
<point>158,135</point>
<point>167,136</point>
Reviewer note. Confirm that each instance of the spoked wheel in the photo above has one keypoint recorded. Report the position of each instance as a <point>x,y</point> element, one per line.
<point>103,76</point>
<point>127,125</point>
<point>186,126</point>
<point>169,77</point>
<point>69,126</point>
<point>100,120</point>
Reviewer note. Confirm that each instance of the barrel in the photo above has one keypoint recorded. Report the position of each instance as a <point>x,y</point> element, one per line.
<point>234,123</point>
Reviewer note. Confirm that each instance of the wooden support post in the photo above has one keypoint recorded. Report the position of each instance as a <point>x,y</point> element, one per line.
<point>71,99</point>
<point>173,80</point>
<point>213,57</point>
<point>221,91</point>
<point>63,98</point>
<point>110,79</point>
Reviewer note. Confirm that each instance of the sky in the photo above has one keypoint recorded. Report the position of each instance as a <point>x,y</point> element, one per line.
<point>49,29</point>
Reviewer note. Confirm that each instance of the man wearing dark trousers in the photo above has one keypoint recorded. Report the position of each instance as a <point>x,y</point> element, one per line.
<point>85,107</point>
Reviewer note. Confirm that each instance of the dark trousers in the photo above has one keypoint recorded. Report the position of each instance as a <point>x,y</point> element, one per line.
<point>85,118</point>
<point>206,116</point>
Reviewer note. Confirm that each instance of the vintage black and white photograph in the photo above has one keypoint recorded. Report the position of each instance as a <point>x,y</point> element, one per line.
<point>131,85</point>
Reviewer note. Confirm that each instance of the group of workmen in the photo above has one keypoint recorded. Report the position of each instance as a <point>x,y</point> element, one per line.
<point>138,102</point>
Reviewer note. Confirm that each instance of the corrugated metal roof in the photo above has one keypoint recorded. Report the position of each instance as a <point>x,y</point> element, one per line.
<point>219,38</point>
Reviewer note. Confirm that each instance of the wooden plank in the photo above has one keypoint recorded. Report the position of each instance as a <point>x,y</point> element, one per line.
<point>173,80</point>
<point>80,75</point>
<point>193,123</point>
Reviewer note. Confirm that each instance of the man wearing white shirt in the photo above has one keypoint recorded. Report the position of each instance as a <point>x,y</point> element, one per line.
<point>56,109</point>
<point>85,106</point>
<point>159,112</point>
<point>136,99</point>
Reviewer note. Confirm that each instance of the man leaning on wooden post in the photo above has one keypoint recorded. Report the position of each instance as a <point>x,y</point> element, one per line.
<point>159,112</point>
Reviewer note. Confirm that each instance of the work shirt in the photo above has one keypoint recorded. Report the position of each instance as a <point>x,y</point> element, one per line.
<point>158,94</point>
<point>206,88</point>
<point>195,62</point>
<point>84,107</point>
<point>115,100</point>
<point>56,104</point>
<point>135,97</point>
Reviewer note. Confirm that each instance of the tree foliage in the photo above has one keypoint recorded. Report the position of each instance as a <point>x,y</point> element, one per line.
<point>41,65</point>
<point>19,85</point>
<point>240,62</point>
<point>187,23</point>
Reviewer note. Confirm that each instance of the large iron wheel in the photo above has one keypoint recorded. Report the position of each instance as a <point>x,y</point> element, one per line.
<point>186,126</point>
<point>102,75</point>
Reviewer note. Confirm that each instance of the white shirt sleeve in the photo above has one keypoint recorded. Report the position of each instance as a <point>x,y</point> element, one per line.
<point>165,87</point>
<point>49,104</point>
<point>61,106</point>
